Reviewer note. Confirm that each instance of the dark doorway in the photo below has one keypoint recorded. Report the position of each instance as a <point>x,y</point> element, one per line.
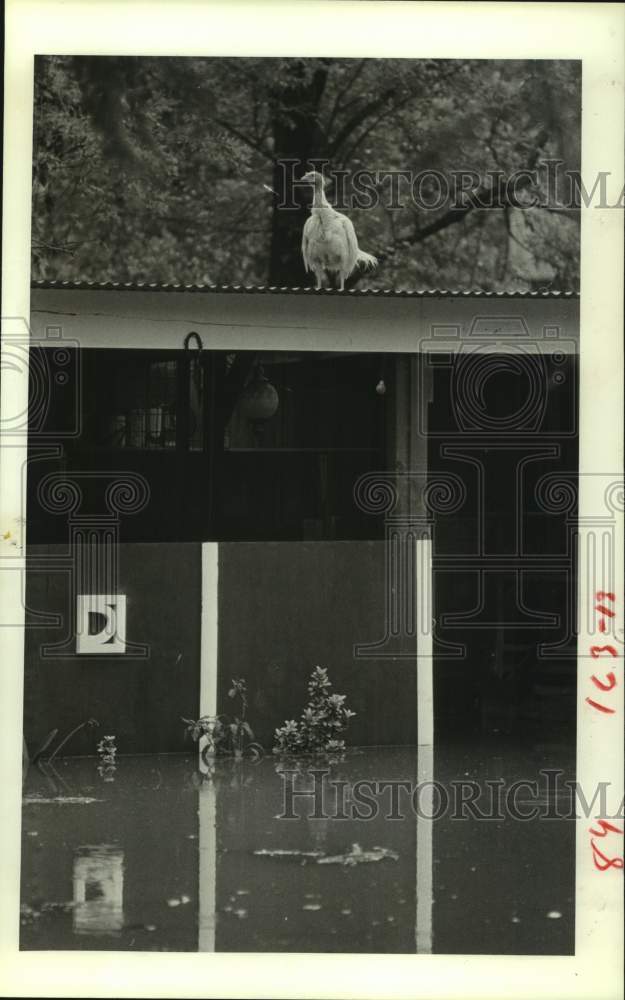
<point>504,563</point>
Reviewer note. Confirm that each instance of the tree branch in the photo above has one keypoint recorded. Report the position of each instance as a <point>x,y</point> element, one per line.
<point>357,119</point>
<point>342,92</point>
<point>243,138</point>
<point>457,214</point>
<point>384,115</point>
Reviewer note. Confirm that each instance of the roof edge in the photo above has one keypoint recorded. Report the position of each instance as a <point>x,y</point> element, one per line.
<point>381,293</point>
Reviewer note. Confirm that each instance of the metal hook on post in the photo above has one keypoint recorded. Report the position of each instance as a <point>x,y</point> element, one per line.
<point>198,341</point>
<point>197,373</point>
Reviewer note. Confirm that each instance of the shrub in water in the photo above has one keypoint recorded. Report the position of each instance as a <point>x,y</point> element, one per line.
<point>322,723</point>
<point>225,735</point>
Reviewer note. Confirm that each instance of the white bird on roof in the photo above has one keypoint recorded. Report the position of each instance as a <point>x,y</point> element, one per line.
<point>329,242</point>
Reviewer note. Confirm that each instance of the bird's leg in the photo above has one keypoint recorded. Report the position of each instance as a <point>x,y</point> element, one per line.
<point>319,277</point>
<point>341,283</point>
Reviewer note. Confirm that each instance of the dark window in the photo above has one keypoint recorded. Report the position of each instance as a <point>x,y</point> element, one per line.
<point>240,446</point>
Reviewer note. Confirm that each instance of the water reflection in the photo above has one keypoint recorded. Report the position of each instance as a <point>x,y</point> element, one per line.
<point>98,882</point>
<point>181,861</point>
<point>207,816</point>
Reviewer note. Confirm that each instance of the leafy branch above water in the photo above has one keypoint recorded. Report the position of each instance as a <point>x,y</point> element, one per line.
<point>322,724</point>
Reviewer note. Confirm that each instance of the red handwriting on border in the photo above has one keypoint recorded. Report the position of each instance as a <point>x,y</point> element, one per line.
<point>608,683</point>
<point>601,860</point>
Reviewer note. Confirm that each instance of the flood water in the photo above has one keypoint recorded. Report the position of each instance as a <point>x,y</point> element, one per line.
<point>163,858</point>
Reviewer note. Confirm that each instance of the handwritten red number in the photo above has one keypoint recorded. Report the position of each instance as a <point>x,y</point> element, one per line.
<point>601,861</point>
<point>604,687</point>
<point>601,708</point>
<point>604,611</point>
<point>605,826</point>
<point>609,862</point>
<point>596,651</point>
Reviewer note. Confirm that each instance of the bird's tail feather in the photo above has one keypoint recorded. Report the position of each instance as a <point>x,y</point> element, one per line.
<point>366,259</point>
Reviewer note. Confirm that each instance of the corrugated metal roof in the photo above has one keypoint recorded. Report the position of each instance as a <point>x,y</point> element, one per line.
<point>381,293</point>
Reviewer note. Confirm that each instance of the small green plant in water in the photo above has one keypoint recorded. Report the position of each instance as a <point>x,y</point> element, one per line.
<point>239,730</point>
<point>225,735</point>
<point>322,724</point>
<point>212,728</point>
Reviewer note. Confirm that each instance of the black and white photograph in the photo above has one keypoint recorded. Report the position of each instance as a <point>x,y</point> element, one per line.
<point>316,560</point>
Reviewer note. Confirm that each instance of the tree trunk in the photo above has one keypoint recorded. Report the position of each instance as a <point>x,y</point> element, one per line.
<point>297,137</point>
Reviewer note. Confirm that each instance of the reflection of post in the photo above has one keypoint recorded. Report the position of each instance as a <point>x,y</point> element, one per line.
<point>207,805</point>
<point>208,866</point>
<point>423,925</point>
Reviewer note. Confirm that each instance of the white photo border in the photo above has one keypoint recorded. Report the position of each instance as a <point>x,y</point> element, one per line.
<point>591,32</point>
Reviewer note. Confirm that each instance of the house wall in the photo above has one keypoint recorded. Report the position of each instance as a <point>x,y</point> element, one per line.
<point>140,700</point>
<point>285,608</point>
<point>282,609</point>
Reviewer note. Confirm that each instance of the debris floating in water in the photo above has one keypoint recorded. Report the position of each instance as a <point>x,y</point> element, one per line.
<point>68,800</point>
<point>280,852</point>
<point>29,913</point>
<point>178,900</point>
<point>354,857</point>
<point>357,856</point>
<point>554,914</point>
<point>311,906</point>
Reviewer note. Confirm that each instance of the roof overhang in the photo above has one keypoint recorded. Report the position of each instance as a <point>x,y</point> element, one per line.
<point>231,318</point>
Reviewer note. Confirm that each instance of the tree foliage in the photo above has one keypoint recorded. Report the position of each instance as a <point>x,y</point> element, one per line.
<point>154,169</point>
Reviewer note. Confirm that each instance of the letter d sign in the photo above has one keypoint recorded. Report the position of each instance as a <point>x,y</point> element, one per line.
<point>101,624</point>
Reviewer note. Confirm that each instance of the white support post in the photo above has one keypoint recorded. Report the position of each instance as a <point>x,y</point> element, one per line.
<point>425,752</point>
<point>425,672</point>
<point>208,651</point>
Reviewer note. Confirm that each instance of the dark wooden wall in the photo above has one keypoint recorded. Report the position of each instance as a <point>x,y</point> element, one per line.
<point>140,701</point>
<point>287,607</point>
